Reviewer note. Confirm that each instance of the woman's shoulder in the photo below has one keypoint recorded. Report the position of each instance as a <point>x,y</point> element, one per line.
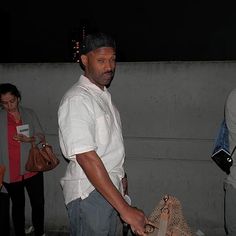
<point>27,111</point>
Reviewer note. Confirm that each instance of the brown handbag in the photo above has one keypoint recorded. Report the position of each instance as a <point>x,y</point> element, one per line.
<point>41,158</point>
<point>2,171</point>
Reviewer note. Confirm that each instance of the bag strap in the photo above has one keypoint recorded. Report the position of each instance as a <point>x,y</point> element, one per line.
<point>34,144</point>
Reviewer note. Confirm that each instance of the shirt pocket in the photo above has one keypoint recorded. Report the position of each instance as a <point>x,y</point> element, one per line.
<point>103,129</point>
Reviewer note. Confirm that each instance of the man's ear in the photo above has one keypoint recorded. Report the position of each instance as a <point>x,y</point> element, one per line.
<point>84,60</point>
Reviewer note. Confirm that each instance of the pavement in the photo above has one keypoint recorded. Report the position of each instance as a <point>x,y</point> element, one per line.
<point>198,232</point>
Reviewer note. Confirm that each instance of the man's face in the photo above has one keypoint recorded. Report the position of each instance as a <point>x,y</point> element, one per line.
<point>9,102</point>
<point>100,66</point>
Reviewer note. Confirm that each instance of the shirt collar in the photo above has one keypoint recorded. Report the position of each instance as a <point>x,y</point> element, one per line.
<point>84,81</point>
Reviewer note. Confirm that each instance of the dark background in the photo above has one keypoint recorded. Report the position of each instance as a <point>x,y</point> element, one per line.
<point>41,31</point>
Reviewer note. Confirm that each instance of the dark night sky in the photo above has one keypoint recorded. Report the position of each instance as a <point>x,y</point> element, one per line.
<point>38,31</point>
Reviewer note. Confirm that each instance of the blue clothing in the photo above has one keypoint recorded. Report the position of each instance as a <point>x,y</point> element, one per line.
<point>92,216</point>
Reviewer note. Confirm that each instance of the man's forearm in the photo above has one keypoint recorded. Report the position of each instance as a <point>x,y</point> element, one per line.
<point>98,176</point>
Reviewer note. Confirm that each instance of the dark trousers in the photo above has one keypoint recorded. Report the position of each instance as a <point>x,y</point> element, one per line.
<point>4,214</point>
<point>230,214</point>
<point>35,190</point>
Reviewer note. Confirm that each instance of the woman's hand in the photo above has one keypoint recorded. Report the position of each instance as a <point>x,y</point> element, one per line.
<point>23,138</point>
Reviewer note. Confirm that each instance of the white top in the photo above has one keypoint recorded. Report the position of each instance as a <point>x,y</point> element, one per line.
<point>230,116</point>
<point>88,121</point>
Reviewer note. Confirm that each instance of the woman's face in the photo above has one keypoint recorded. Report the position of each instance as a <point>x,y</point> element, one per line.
<point>9,102</point>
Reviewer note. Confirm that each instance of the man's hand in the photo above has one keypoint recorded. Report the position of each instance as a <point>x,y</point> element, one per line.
<point>98,176</point>
<point>136,219</point>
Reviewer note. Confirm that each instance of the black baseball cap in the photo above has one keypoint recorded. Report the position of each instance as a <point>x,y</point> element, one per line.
<point>96,40</point>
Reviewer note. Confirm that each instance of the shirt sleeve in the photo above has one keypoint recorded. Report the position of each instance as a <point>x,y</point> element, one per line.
<point>76,126</point>
<point>230,116</point>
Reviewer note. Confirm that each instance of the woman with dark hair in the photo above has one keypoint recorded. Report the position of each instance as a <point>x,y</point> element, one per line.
<point>19,127</point>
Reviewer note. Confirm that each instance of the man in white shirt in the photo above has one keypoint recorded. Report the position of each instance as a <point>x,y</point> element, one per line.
<point>91,138</point>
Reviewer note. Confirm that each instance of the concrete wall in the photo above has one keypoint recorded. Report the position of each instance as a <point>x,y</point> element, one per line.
<point>170,113</point>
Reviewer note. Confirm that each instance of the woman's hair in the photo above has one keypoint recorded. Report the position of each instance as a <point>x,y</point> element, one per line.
<point>9,88</point>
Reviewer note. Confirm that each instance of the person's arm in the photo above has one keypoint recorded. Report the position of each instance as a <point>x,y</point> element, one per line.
<point>230,116</point>
<point>98,176</point>
<point>37,134</point>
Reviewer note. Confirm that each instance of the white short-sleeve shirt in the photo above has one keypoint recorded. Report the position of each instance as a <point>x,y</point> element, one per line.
<point>230,116</point>
<point>88,121</point>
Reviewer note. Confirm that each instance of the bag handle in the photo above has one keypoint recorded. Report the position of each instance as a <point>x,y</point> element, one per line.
<point>163,218</point>
<point>150,227</point>
<point>42,140</point>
